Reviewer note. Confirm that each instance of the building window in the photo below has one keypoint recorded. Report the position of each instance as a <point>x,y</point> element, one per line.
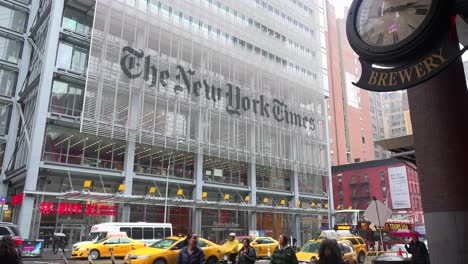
<point>382,177</point>
<point>161,162</point>
<point>2,153</point>
<point>10,49</point>
<point>72,58</point>
<point>13,19</point>
<point>67,99</point>
<point>64,145</point>
<point>7,82</point>
<point>5,110</point>
<point>273,178</point>
<point>353,178</point>
<point>76,21</point>
<point>366,177</point>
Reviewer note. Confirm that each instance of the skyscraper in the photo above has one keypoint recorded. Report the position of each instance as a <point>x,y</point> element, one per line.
<point>204,113</point>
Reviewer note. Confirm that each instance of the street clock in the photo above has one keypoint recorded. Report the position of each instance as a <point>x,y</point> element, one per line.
<point>402,43</point>
<point>388,31</point>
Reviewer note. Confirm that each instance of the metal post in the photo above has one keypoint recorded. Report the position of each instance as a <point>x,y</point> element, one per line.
<point>90,260</point>
<point>378,219</point>
<point>111,251</point>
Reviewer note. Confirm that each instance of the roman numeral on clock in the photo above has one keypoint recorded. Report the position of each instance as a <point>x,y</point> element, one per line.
<point>412,28</point>
<point>380,39</point>
<point>421,11</point>
<point>395,37</point>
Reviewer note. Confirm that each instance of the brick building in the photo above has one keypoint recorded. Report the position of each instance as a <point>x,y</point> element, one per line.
<point>352,114</point>
<point>355,185</point>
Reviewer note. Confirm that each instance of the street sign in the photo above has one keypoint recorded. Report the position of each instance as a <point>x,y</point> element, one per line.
<point>377,213</point>
<point>3,199</point>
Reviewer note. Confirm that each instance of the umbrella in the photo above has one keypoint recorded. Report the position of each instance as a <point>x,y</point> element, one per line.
<point>404,233</point>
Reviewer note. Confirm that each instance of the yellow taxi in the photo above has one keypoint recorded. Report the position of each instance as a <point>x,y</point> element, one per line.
<point>101,248</point>
<point>359,246</point>
<point>263,245</point>
<point>311,249</point>
<point>166,251</point>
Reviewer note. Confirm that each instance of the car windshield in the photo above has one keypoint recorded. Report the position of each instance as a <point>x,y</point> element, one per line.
<point>163,244</point>
<point>311,247</point>
<point>95,236</point>
<point>100,241</point>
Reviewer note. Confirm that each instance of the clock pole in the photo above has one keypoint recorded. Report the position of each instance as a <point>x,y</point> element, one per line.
<point>439,115</point>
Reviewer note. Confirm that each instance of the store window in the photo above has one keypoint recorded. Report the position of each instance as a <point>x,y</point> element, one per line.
<point>76,21</point>
<point>13,19</point>
<point>70,57</point>
<point>8,81</point>
<point>5,111</point>
<point>10,49</point>
<point>67,99</point>
<point>64,145</point>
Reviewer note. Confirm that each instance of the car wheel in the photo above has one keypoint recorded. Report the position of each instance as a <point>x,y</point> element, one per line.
<point>94,254</point>
<point>212,260</point>
<point>159,261</point>
<point>362,257</point>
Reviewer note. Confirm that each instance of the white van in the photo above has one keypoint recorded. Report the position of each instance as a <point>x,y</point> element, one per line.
<point>145,232</point>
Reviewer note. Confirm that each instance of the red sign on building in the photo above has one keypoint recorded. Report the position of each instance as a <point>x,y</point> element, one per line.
<point>78,209</point>
<point>17,199</point>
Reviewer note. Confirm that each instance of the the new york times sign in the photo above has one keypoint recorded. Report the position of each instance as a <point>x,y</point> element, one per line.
<point>236,102</point>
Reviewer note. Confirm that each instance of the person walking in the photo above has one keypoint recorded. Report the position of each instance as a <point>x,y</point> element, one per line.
<point>230,248</point>
<point>247,254</point>
<point>330,253</point>
<point>418,251</point>
<point>191,254</point>
<point>9,252</point>
<point>283,254</point>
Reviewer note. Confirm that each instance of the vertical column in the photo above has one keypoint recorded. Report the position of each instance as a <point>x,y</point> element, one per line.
<point>197,192</point>
<point>329,183</point>
<point>40,117</point>
<point>296,231</point>
<point>439,115</point>
<point>128,181</point>
<point>252,181</point>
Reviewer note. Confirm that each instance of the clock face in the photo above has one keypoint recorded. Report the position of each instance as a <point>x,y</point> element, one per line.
<point>387,22</point>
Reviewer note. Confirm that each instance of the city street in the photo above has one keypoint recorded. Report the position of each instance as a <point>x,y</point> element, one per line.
<point>84,261</point>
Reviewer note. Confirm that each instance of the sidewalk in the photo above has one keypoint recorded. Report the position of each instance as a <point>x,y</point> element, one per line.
<point>47,254</point>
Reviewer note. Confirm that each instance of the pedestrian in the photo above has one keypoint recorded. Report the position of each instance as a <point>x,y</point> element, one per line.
<point>247,254</point>
<point>313,260</point>
<point>283,254</point>
<point>330,253</point>
<point>9,252</point>
<point>418,251</point>
<point>62,242</point>
<point>230,248</point>
<point>54,244</point>
<point>191,254</point>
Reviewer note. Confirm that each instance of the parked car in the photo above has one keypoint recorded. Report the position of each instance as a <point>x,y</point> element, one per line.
<point>101,248</point>
<point>166,251</point>
<point>396,247</point>
<point>359,246</point>
<point>9,229</point>
<point>311,249</point>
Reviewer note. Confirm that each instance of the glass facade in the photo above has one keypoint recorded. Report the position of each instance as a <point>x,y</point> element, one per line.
<point>13,19</point>
<point>5,111</point>
<point>204,97</point>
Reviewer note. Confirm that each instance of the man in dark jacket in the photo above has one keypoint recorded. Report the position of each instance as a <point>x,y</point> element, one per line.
<point>418,251</point>
<point>191,254</point>
<point>247,254</point>
<point>283,254</point>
